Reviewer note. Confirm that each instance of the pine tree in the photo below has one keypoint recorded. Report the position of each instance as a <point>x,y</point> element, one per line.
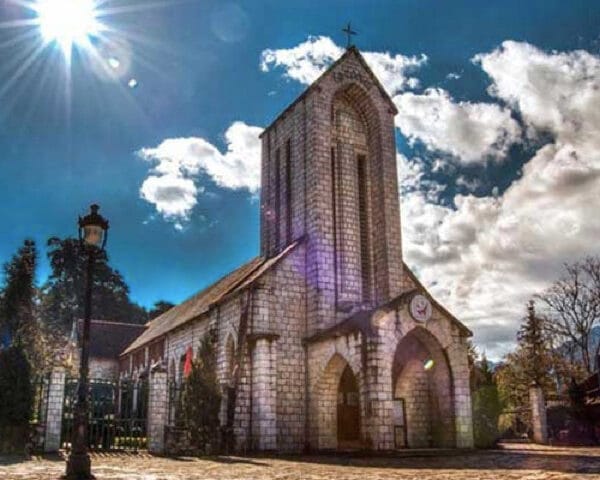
<point>17,307</point>
<point>202,397</point>
<point>486,405</point>
<point>62,299</point>
<point>533,343</point>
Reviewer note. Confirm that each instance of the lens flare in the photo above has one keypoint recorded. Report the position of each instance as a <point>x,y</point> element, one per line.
<point>67,22</point>
<point>53,39</point>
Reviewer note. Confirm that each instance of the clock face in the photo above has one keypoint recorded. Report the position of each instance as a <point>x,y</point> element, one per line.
<point>420,308</point>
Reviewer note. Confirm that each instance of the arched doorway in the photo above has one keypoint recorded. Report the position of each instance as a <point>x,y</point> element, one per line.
<point>422,386</point>
<point>348,411</point>
<point>334,397</point>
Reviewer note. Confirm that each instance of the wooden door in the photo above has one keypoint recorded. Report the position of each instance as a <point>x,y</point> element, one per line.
<point>348,409</point>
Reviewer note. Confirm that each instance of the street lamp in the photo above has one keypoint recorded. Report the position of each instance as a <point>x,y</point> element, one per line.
<point>93,232</point>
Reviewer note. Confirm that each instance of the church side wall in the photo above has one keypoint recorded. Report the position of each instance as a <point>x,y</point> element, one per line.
<point>178,342</point>
<point>228,320</point>
<point>287,314</point>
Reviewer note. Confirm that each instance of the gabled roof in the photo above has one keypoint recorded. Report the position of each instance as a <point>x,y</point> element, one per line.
<point>461,326</point>
<point>203,301</point>
<point>360,321</point>
<point>350,51</point>
<point>108,339</point>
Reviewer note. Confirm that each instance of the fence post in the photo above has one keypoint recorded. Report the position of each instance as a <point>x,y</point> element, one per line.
<point>56,393</point>
<point>158,407</point>
<point>538,414</point>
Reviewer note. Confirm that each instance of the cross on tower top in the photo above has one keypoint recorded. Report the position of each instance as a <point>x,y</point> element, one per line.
<point>349,32</point>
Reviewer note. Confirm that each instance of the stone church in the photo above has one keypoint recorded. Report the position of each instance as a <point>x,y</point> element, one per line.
<point>326,340</point>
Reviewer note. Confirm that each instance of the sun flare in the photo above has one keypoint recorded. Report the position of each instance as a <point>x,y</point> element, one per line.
<point>67,22</point>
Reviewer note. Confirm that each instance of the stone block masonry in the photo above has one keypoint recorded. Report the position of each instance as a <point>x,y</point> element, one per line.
<point>55,409</point>
<point>538,414</point>
<point>158,406</point>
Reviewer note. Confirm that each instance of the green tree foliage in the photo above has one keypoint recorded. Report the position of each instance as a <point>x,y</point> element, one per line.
<point>202,397</point>
<point>533,342</point>
<point>513,381</point>
<point>535,360</point>
<point>16,398</point>
<point>160,307</point>
<point>486,405</point>
<point>63,293</point>
<point>17,308</point>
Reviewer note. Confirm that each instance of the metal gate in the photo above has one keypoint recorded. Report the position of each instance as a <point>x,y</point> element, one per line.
<point>117,414</point>
<point>37,422</point>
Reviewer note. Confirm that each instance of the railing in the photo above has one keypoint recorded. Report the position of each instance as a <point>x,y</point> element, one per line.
<point>41,390</point>
<point>117,414</point>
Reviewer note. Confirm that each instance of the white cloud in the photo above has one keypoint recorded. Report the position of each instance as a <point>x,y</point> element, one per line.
<point>469,184</point>
<point>174,197</point>
<point>177,163</point>
<point>485,258</point>
<point>556,92</point>
<point>306,61</point>
<point>471,132</point>
<point>411,178</point>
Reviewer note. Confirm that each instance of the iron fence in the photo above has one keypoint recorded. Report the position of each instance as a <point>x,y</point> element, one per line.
<point>117,414</point>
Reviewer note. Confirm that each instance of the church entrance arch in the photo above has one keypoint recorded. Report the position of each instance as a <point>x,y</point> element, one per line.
<point>348,411</point>
<point>422,386</point>
<point>337,406</point>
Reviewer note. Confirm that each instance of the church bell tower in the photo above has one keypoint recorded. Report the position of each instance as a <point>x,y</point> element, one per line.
<point>329,180</point>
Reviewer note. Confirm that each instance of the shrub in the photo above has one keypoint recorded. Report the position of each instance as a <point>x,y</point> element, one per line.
<point>486,412</point>
<point>202,398</point>
<point>16,398</point>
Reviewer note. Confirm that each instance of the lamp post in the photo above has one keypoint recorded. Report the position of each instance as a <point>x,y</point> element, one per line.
<point>93,232</point>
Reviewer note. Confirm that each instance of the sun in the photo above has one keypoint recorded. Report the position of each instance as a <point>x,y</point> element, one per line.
<point>67,22</point>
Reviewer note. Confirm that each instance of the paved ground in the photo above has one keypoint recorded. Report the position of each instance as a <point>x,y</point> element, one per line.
<point>512,462</point>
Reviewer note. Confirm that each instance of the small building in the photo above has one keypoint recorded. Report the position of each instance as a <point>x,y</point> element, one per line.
<point>327,339</point>
<point>107,341</point>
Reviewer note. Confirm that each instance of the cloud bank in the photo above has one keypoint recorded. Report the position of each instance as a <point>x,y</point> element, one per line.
<point>178,162</point>
<point>471,132</point>
<point>306,61</point>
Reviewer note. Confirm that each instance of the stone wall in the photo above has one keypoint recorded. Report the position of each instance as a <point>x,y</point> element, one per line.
<point>158,407</point>
<point>104,368</point>
<point>539,419</point>
<point>413,387</point>
<point>54,409</point>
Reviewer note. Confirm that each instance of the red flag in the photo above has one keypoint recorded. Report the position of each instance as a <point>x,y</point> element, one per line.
<point>187,367</point>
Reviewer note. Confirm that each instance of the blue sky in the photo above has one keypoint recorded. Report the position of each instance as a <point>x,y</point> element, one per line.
<point>486,129</point>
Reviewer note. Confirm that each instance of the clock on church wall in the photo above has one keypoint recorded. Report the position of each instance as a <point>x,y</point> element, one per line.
<point>420,308</point>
